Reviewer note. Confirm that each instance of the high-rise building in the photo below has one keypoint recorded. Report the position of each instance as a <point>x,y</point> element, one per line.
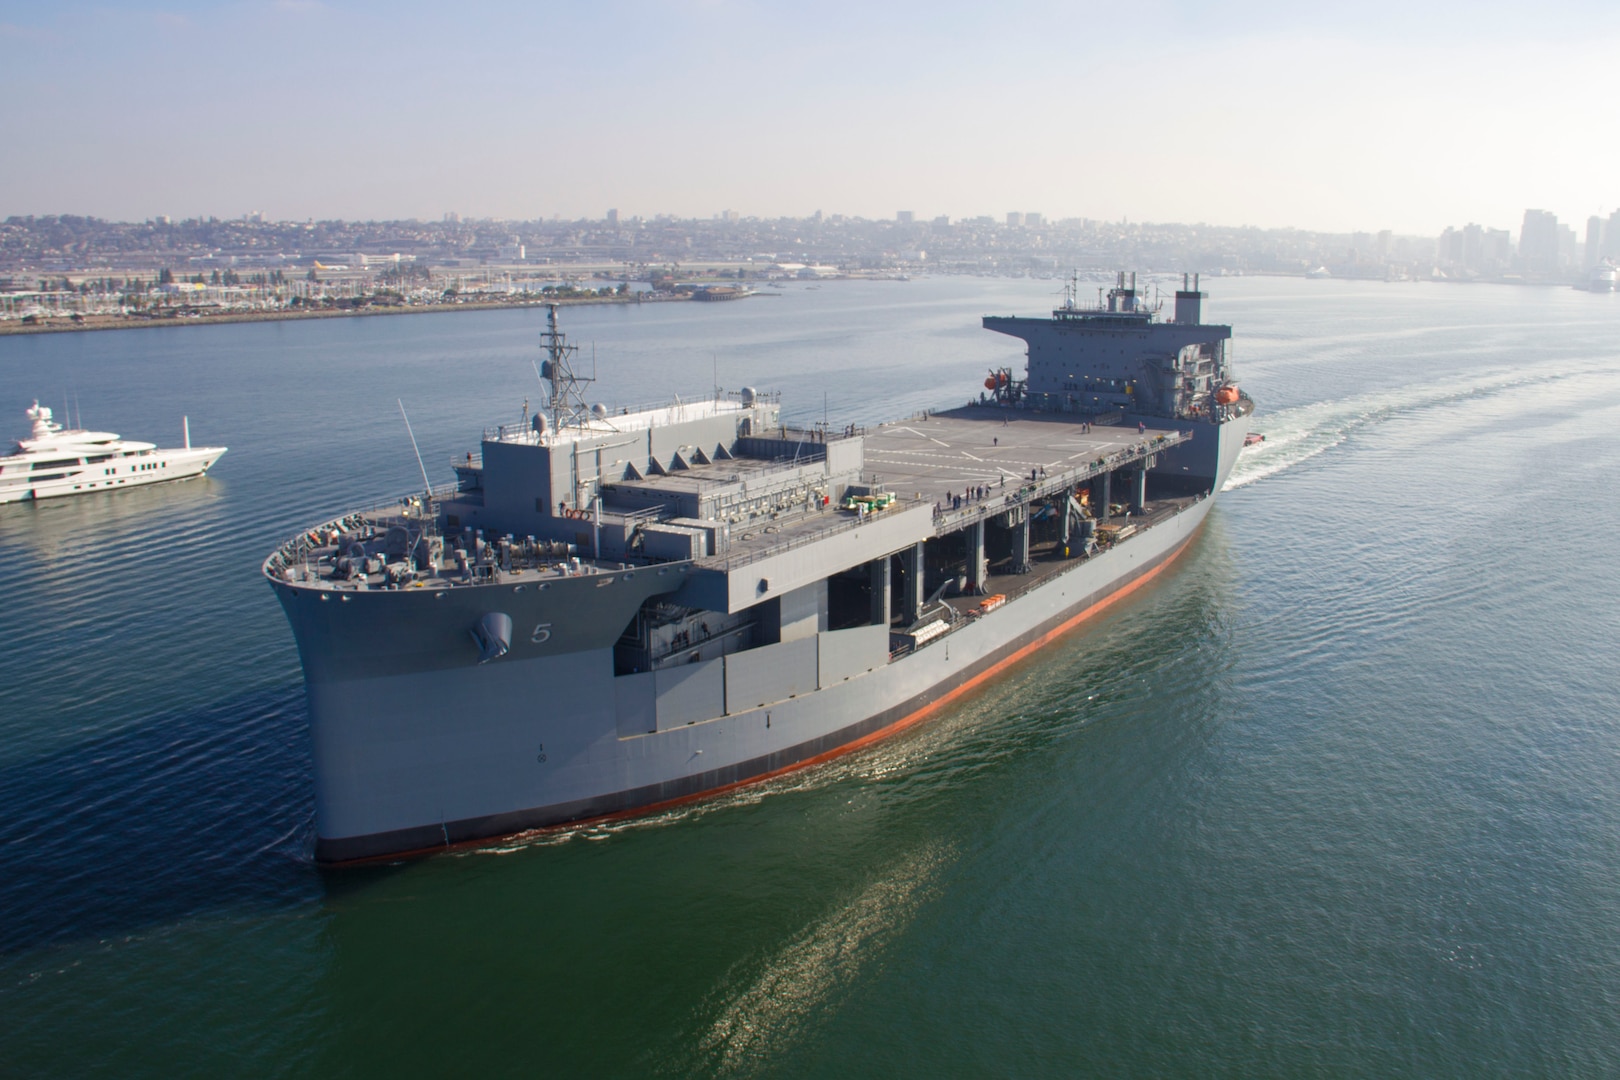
<point>1538,242</point>
<point>613,219</point>
<point>1032,219</point>
<point>1473,248</point>
<point>1594,241</point>
<point>1568,248</point>
<point>1015,218</point>
<point>1450,251</point>
<point>905,217</point>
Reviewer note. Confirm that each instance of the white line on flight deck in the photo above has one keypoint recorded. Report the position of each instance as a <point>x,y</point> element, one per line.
<point>930,438</point>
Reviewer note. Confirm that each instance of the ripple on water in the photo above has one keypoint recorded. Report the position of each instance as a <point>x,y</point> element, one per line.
<point>1336,794</point>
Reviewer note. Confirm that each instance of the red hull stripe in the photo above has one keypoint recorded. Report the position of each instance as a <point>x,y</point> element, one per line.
<point>853,745</point>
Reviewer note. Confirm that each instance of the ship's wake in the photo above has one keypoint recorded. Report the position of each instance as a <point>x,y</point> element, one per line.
<point>1295,435</point>
<point>819,966</point>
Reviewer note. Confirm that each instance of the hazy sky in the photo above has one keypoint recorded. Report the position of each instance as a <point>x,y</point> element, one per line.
<point>1408,116</point>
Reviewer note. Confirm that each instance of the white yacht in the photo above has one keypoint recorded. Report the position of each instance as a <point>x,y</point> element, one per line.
<point>58,461</point>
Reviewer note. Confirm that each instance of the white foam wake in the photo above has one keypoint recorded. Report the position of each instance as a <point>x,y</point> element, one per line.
<point>1295,435</point>
<point>762,1020</point>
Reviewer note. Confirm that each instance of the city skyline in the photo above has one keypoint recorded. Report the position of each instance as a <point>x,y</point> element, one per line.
<point>1545,251</point>
<point>1239,114</point>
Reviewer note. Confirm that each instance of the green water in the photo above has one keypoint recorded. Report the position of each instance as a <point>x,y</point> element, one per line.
<point>1338,794</point>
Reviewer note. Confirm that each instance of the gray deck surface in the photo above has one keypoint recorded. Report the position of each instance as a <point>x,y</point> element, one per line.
<point>925,461</point>
<point>928,460</point>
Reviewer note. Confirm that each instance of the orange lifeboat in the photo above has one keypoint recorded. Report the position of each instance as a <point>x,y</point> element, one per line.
<point>990,383</point>
<point>1226,395</point>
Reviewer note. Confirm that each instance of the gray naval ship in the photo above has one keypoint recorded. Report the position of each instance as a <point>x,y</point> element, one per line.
<point>611,611</point>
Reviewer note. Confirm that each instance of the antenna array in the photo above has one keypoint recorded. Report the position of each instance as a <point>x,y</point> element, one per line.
<point>567,403</point>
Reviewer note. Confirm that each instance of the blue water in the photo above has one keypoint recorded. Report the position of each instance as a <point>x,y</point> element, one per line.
<point>1340,793</point>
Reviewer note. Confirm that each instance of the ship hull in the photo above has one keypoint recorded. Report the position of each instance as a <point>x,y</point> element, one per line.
<point>599,777</point>
<point>418,748</point>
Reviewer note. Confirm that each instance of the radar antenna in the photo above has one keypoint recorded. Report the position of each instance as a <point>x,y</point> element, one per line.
<point>1071,291</point>
<point>567,404</point>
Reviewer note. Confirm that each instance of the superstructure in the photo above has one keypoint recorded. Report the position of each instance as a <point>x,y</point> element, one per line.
<point>614,609</point>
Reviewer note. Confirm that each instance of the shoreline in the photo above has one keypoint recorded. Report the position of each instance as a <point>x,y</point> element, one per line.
<point>125,322</point>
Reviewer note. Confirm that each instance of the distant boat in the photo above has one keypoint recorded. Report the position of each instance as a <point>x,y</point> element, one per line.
<point>722,292</point>
<point>53,461</point>
<point>1319,272</point>
<point>1604,278</point>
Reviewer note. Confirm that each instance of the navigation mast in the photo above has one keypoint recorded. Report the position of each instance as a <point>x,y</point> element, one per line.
<point>567,403</point>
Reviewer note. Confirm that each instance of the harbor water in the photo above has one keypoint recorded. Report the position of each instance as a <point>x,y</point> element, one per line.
<point>1338,793</point>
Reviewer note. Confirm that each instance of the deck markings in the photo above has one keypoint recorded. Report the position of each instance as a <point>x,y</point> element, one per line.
<point>921,435</point>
